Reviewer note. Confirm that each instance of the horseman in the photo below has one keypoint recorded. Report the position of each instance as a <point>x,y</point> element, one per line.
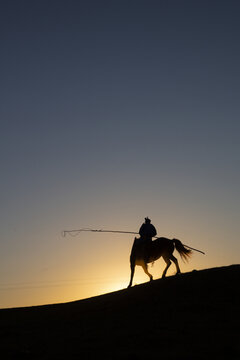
<point>147,231</point>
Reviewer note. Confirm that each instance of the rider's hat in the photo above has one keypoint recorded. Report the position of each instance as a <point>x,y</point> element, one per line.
<point>147,219</point>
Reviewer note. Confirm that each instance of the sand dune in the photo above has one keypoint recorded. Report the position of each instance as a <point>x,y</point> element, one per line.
<point>191,316</point>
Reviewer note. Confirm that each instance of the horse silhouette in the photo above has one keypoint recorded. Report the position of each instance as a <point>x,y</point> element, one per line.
<point>143,253</point>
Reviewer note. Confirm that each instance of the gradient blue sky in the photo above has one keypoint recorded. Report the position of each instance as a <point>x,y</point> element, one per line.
<point>112,111</point>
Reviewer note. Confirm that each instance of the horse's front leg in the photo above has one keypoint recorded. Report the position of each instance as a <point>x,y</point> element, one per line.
<point>145,269</point>
<point>132,273</point>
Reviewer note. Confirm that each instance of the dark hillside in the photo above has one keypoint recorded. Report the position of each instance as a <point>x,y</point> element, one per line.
<point>191,316</point>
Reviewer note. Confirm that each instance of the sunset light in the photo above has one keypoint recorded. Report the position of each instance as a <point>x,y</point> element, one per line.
<point>113,112</point>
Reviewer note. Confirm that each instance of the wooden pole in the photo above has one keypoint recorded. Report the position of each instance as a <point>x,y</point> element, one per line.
<point>76,232</point>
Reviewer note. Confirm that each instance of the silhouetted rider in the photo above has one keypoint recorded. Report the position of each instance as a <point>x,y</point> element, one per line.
<point>147,230</point>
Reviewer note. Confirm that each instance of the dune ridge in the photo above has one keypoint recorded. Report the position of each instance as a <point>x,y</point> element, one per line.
<point>191,316</point>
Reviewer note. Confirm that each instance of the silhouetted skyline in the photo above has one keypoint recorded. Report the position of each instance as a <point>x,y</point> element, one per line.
<point>111,112</point>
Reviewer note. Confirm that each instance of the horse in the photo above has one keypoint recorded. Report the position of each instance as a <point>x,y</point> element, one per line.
<point>147,252</point>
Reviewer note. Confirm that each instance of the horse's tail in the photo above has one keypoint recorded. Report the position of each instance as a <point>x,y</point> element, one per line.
<point>183,251</point>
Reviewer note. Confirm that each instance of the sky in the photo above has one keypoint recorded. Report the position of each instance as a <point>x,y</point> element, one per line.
<point>112,111</point>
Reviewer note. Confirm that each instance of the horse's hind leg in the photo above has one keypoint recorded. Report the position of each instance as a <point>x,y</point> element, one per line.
<point>168,262</point>
<point>132,273</point>
<point>145,269</point>
<point>176,263</point>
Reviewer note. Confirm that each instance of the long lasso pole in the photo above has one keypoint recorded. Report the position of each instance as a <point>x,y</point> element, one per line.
<point>194,249</point>
<point>76,232</point>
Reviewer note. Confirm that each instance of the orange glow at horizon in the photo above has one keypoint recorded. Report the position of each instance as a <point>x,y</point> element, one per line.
<point>92,264</point>
<point>101,128</point>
